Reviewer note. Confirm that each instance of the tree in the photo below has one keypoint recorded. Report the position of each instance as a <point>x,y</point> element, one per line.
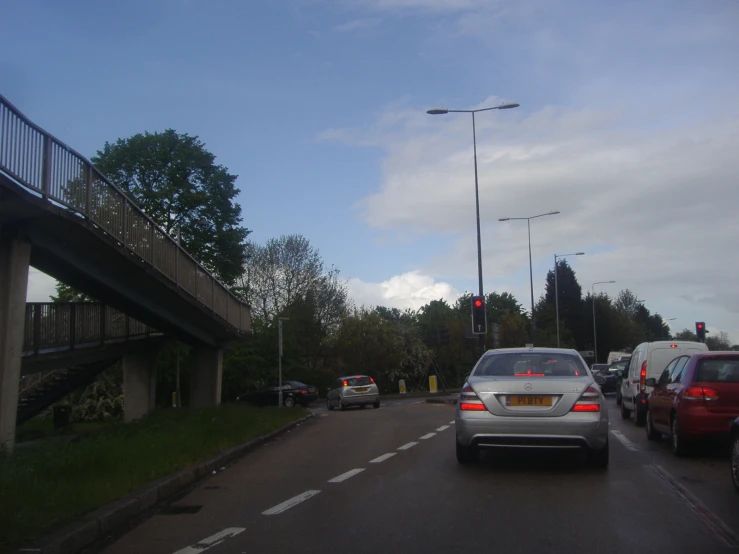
<point>175,181</point>
<point>719,341</point>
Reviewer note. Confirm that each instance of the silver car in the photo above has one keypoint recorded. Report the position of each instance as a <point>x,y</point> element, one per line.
<point>532,398</point>
<point>356,390</point>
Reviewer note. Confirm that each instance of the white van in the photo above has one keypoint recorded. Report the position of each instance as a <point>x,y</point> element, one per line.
<point>649,359</point>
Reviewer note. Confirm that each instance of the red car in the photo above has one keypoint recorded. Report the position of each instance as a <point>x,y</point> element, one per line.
<point>697,396</point>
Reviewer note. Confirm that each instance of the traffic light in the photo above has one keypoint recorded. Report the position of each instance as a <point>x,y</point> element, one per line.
<point>700,331</point>
<point>479,318</point>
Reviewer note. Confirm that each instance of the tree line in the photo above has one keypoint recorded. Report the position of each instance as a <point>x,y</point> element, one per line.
<point>176,181</point>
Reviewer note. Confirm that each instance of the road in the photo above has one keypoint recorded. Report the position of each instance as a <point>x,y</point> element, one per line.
<point>369,481</point>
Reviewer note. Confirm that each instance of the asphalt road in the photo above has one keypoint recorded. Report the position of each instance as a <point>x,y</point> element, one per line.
<point>387,480</point>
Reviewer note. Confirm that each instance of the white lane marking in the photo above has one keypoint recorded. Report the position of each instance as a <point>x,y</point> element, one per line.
<point>626,442</point>
<point>213,540</point>
<point>443,428</point>
<point>345,476</point>
<point>407,445</point>
<point>383,458</point>
<point>287,504</point>
<point>428,436</point>
<point>719,529</point>
<point>451,423</point>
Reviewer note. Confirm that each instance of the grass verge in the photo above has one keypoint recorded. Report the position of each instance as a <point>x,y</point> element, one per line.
<point>49,484</point>
<point>43,428</point>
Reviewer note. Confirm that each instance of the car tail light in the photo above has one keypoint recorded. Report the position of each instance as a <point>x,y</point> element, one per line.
<point>303,391</point>
<point>643,377</point>
<point>469,401</point>
<point>372,380</point>
<point>700,393</point>
<point>346,383</point>
<point>588,402</point>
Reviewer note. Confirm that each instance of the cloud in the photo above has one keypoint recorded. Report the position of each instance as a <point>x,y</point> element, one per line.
<point>409,290</point>
<point>40,286</point>
<point>358,25</point>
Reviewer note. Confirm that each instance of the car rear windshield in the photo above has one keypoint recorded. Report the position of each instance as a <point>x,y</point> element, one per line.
<point>524,364</point>
<point>358,381</point>
<point>298,384</point>
<point>718,370</point>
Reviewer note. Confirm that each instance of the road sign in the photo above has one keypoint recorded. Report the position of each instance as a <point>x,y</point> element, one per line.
<point>432,384</point>
<point>401,384</point>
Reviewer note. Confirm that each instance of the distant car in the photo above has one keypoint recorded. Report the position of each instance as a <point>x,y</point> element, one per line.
<point>696,396</point>
<point>620,369</point>
<point>598,367</point>
<point>649,360</point>
<point>531,398</point>
<point>611,378</point>
<point>293,392</point>
<point>735,454</point>
<point>357,390</point>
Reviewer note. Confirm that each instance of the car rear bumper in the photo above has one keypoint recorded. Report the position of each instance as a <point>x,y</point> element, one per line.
<point>358,399</point>
<point>573,430</point>
<point>698,422</point>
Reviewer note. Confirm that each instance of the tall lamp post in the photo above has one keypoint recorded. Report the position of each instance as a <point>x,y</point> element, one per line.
<point>595,339</point>
<point>531,270</point>
<point>279,362</point>
<point>444,111</point>
<point>556,286</point>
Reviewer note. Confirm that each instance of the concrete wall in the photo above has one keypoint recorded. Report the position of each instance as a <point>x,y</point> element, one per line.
<point>139,385</point>
<point>206,370</point>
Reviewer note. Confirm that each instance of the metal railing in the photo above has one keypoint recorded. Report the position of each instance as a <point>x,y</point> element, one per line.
<point>53,327</point>
<point>44,164</point>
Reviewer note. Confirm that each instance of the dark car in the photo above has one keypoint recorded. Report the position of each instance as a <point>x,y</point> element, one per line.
<point>695,397</point>
<point>293,392</point>
<point>735,454</point>
<point>619,368</point>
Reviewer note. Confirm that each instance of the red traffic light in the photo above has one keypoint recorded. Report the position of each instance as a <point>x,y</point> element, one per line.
<point>478,303</point>
<point>700,326</point>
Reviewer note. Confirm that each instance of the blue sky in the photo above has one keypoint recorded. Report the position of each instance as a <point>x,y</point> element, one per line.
<point>627,125</point>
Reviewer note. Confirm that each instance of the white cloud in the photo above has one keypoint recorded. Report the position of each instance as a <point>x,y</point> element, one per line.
<point>40,286</point>
<point>358,25</point>
<point>409,290</point>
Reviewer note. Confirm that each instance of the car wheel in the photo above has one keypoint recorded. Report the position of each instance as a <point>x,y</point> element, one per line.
<point>329,406</point>
<point>625,412</point>
<point>466,454</point>
<point>641,416</point>
<point>652,433</point>
<point>376,405</point>
<point>735,461</point>
<point>599,458</point>
<point>679,448</point>
<point>289,402</point>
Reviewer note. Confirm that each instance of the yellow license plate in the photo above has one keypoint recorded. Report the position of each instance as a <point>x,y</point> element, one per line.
<point>529,400</point>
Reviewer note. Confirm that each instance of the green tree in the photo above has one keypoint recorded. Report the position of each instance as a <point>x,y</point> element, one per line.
<point>176,182</point>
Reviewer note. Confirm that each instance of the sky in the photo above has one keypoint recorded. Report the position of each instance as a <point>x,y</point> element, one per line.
<point>628,125</point>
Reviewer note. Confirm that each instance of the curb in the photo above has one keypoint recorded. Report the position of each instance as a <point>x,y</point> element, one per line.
<point>106,520</point>
<point>451,401</point>
<point>416,395</point>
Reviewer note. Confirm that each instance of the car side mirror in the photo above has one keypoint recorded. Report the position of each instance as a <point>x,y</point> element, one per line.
<point>600,379</point>
<point>651,382</point>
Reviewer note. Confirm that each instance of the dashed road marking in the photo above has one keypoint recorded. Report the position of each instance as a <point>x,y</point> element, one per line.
<point>287,504</point>
<point>443,428</point>
<point>428,436</point>
<point>407,445</point>
<point>347,475</point>
<point>626,442</point>
<point>211,541</point>
<point>383,458</point>
<point>719,529</point>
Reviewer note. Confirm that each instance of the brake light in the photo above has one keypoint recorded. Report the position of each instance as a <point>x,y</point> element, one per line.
<point>469,401</point>
<point>529,374</point>
<point>643,377</point>
<point>346,383</point>
<point>372,380</point>
<point>700,393</point>
<point>588,402</point>
<point>303,391</point>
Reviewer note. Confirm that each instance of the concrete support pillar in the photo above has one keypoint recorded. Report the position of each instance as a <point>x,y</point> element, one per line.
<point>139,385</point>
<point>206,372</point>
<point>14,264</point>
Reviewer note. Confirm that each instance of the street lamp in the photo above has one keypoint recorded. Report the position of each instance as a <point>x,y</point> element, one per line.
<point>556,286</point>
<point>531,270</point>
<point>444,111</point>
<point>279,361</point>
<point>595,339</point>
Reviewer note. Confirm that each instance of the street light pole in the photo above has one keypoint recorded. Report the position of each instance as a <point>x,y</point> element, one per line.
<point>531,267</point>
<point>443,111</point>
<point>595,338</point>
<point>279,361</point>
<point>556,286</point>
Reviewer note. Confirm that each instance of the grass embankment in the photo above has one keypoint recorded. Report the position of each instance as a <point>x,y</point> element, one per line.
<point>48,484</point>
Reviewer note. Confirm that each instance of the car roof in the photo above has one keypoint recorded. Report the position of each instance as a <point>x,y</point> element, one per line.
<point>537,349</point>
<point>353,376</point>
<point>715,354</point>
